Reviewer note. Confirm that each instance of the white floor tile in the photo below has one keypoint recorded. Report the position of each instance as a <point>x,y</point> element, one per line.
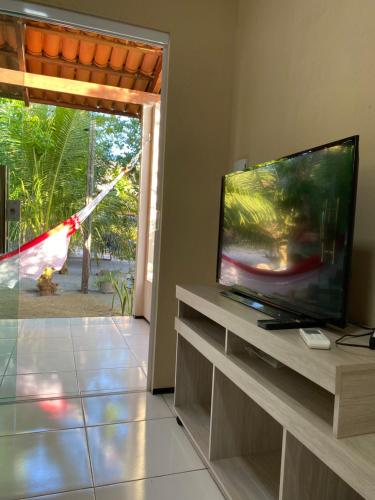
<point>138,450</point>
<point>51,332</point>
<point>78,330</point>
<point>137,342</point>
<point>105,358</point>
<point>141,353</point>
<point>169,399</point>
<point>54,414</point>
<point>26,345</point>
<point>92,320</point>
<point>114,379</point>
<point>69,495</point>
<point>93,341</point>
<point>9,322</point>
<point>124,408</point>
<point>43,322</point>
<point>7,346</point>
<point>8,332</point>
<point>43,463</point>
<point>136,326</point>
<point>39,384</point>
<point>4,359</point>
<point>197,485</point>
<point>40,362</point>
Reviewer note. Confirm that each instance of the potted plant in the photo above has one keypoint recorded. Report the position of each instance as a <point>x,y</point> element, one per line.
<point>45,283</point>
<point>104,280</point>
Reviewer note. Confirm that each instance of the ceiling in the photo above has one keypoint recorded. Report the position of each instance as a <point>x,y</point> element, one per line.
<point>64,52</point>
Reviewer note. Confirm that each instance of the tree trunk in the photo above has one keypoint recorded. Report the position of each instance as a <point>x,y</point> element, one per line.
<point>89,192</point>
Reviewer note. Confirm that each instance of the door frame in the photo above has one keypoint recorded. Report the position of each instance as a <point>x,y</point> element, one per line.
<point>88,22</point>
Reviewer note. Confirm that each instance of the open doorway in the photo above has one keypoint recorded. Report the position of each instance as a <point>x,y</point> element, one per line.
<point>110,87</point>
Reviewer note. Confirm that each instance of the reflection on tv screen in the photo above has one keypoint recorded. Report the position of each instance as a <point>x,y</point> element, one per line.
<point>286,230</point>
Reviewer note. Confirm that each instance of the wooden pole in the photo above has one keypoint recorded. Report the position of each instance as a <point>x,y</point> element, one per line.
<point>76,87</point>
<point>89,193</point>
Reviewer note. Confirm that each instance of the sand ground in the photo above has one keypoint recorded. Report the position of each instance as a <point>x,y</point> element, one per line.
<point>69,301</point>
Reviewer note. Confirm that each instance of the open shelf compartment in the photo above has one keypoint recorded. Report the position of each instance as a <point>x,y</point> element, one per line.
<point>246,444</point>
<point>305,477</point>
<point>290,384</point>
<point>205,327</point>
<point>193,393</point>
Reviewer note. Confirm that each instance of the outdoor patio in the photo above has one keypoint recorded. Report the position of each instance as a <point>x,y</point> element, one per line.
<point>69,301</point>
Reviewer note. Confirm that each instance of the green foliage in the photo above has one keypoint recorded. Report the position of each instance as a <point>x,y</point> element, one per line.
<point>106,276</point>
<point>46,151</point>
<point>124,293</point>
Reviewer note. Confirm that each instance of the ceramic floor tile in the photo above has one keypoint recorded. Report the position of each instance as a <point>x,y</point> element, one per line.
<point>186,486</point>
<point>78,330</point>
<point>39,384</point>
<point>139,450</point>
<point>90,341</point>
<point>169,399</point>
<point>56,332</point>
<point>124,408</point>
<point>114,379</point>
<point>105,358</point>
<point>43,322</point>
<point>141,353</point>
<point>91,320</point>
<point>69,495</point>
<point>137,326</point>
<point>4,360</point>
<point>53,414</point>
<point>9,332</point>
<point>39,362</point>
<point>7,346</point>
<point>135,340</point>
<point>9,322</point>
<point>42,463</point>
<point>43,344</point>
<point>123,320</point>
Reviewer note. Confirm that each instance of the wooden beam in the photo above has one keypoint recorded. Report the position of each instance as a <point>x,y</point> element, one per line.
<point>155,85</point>
<point>80,106</point>
<point>75,87</point>
<point>20,34</point>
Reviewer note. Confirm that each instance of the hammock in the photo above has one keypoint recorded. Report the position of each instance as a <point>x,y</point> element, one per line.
<point>50,249</point>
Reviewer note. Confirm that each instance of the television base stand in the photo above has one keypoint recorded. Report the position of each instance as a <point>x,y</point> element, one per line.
<point>282,320</point>
<point>276,324</point>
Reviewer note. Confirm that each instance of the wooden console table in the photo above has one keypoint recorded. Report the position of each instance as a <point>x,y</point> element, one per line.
<point>304,430</point>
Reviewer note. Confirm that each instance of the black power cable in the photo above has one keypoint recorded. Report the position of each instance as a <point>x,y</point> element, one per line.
<point>371,331</point>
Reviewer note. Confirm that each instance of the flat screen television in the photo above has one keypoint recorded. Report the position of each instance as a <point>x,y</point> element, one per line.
<point>286,232</point>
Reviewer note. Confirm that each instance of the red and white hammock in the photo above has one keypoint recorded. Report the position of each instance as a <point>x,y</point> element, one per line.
<point>50,249</point>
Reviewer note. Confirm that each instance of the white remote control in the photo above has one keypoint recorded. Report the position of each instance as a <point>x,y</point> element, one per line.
<point>315,338</point>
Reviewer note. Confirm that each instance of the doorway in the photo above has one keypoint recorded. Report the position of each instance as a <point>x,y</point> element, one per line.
<point>89,86</point>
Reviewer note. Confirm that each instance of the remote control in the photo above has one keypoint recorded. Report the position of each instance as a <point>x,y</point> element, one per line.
<point>315,338</point>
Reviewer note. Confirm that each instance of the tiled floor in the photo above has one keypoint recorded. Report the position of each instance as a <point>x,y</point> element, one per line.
<point>109,447</point>
<point>58,357</point>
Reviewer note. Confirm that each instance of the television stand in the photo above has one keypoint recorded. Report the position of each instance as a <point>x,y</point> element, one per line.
<point>271,432</point>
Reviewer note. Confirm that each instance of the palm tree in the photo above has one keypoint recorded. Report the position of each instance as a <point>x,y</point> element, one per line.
<point>46,150</point>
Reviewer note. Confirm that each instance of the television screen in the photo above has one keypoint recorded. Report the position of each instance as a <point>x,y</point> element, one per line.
<point>286,230</point>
